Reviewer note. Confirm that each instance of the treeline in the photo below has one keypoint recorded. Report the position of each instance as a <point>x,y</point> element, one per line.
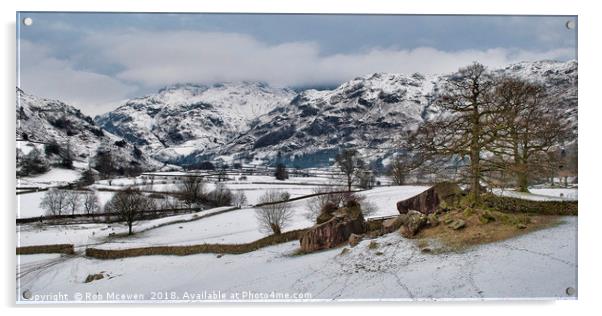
<point>498,130</point>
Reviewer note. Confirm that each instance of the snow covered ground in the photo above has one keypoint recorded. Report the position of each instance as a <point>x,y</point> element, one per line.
<point>52,178</point>
<point>238,226</point>
<point>541,264</point>
<point>551,194</point>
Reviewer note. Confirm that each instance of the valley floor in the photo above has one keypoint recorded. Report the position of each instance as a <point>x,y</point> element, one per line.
<point>541,264</point>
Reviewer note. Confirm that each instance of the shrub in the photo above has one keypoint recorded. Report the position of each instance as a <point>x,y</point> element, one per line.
<point>52,148</point>
<point>192,190</point>
<point>273,216</point>
<point>33,163</point>
<point>220,196</point>
<point>120,143</point>
<point>239,199</point>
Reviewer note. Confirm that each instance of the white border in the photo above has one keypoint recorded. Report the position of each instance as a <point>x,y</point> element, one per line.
<point>590,114</point>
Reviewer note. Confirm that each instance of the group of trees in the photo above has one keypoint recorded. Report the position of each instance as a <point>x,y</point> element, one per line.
<point>354,169</point>
<point>502,125</point>
<point>192,191</point>
<point>336,196</point>
<point>62,202</point>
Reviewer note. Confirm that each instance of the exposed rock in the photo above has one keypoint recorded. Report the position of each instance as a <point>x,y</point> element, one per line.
<point>354,239</point>
<point>373,245</point>
<point>337,230</point>
<point>521,226</point>
<point>457,224</point>
<point>326,213</point>
<point>94,277</point>
<point>415,221</point>
<point>393,224</point>
<point>486,217</point>
<point>429,201</point>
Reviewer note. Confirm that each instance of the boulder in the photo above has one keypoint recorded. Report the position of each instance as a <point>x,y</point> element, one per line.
<point>393,224</point>
<point>429,201</point>
<point>326,213</point>
<point>355,239</point>
<point>415,221</point>
<point>457,224</point>
<point>344,222</point>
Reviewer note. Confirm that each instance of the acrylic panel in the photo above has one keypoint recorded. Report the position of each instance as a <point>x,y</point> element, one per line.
<point>191,157</point>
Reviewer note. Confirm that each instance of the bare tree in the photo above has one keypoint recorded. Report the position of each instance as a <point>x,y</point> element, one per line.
<point>105,164</point>
<point>221,195</point>
<point>54,202</point>
<point>239,199</point>
<point>192,190</point>
<point>275,215</point>
<point>128,204</point>
<point>338,197</point>
<point>90,202</point>
<point>530,127</point>
<point>466,125</point>
<point>74,201</point>
<point>349,163</point>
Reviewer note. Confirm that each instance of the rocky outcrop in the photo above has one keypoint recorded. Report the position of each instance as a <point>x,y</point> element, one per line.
<point>429,201</point>
<point>337,230</point>
<point>413,222</point>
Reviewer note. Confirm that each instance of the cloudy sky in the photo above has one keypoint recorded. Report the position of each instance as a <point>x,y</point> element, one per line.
<point>95,61</point>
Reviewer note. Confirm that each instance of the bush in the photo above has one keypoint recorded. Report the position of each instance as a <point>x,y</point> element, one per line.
<point>33,163</point>
<point>192,190</point>
<point>221,196</point>
<point>52,149</point>
<point>239,199</point>
<point>273,216</point>
<point>120,143</point>
<point>87,178</point>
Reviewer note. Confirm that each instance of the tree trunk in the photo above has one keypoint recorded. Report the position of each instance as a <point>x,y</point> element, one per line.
<point>130,228</point>
<point>276,229</point>
<point>522,182</point>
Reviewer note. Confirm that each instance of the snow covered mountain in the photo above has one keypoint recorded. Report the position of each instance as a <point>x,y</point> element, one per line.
<point>184,118</point>
<point>53,128</point>
<point>369,112</point>
<point>252,121</point>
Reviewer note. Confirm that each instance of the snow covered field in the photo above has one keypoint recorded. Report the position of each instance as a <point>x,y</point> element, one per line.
<point>253,187</point>
<point>238,226</point>
<point>550,194</point>
<point>541,264</point>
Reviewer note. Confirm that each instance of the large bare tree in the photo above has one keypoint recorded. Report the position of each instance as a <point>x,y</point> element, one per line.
<point>466,124</point>
<point>192,190</point>
<point>128,204</point>
<point>531,127</point>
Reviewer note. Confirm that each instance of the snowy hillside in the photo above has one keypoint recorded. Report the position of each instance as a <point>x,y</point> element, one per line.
<point>189,123</point>
<point>55,129</point>
<point>185,117</point>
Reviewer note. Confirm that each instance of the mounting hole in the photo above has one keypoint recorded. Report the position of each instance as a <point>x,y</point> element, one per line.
<point>28,21</point>
<point>570,25</point>
<point>570,291</point>
<point>27,294</point>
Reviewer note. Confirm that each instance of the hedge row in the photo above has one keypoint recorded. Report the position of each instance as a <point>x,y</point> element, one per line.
<point>195,249</point>
<point>57,248</point>
<point>515,205</point>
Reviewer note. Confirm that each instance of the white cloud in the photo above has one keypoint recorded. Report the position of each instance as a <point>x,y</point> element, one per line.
<point>153,59</point>
<point>53,78</point>
<point>162,58</point>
